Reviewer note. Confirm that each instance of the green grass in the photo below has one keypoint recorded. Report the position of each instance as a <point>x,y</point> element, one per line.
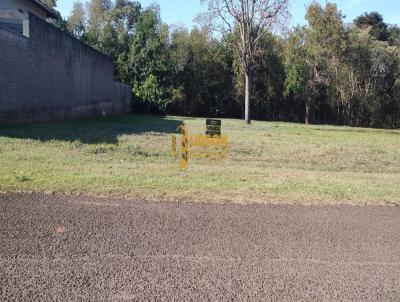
<point>129,156</point>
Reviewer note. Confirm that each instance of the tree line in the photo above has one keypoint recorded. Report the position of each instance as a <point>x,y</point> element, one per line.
<point>326,71</point>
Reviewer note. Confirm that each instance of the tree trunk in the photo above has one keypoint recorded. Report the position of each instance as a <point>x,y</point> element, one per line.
<point>247,99</point>
<point>307,116</point>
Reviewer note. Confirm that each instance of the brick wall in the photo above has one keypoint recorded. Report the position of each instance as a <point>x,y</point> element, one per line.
<point>52,76</point>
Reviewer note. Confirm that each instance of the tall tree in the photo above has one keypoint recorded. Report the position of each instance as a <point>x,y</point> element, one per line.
<point>267,78</point>
<point>326,40</point>
<point>76,22</point>
<point>251,19</point>
<point>300,82</point>
<point>374,21</point>
<point>149,62</point>
<point>98,12</point>
<point>124,18</point>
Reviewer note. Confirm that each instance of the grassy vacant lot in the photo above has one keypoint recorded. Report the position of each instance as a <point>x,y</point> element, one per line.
<point>129,156</point>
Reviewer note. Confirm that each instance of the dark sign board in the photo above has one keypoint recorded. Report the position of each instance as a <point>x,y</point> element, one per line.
<point>213,127</point>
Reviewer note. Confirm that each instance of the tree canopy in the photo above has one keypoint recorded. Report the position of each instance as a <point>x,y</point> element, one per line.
<point>323,72</point>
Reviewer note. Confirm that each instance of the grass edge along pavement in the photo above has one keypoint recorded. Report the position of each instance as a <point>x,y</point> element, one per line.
<point>269,162</point>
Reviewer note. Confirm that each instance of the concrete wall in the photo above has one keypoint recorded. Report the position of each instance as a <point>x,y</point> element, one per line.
<point>52,76</point>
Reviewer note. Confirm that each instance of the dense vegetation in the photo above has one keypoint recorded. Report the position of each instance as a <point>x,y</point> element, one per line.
<point>324,72</point>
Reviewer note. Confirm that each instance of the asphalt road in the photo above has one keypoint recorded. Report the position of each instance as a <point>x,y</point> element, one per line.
<point>57,248</point>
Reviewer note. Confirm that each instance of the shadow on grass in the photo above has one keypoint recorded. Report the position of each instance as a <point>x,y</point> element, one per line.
<point>93,130</point>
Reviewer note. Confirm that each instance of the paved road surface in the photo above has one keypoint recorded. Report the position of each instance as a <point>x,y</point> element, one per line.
<point>55,248</point>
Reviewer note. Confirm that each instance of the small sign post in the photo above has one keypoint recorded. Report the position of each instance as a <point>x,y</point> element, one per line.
<point>213,127</point>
